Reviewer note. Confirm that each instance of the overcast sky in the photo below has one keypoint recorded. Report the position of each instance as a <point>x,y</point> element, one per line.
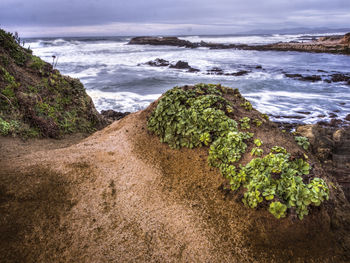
<point>147,17</point>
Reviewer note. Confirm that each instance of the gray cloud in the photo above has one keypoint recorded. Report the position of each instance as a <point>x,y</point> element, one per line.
<point>229,15</point>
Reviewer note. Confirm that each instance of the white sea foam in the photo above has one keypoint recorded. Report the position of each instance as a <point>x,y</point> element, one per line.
<point>121,101</point>
<point>111,65</point>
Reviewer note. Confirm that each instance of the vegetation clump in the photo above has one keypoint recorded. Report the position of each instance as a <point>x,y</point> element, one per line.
<point>302,142</point>
<point>36,100</point>
<point>199,116</point>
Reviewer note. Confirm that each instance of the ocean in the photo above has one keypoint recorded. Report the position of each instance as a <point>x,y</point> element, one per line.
<point>115,76</point>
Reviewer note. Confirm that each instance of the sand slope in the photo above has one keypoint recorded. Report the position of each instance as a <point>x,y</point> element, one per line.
<point>122,196</point>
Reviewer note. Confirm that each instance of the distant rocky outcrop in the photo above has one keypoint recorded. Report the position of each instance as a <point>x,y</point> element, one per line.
<point>36,100</point>
<point>219,71</point>
<point>336,77</point>
<point>159,62</point>
<point>329,44</point>
<point>184,65</point>
<point>157,41</point>
<point>112,115</point>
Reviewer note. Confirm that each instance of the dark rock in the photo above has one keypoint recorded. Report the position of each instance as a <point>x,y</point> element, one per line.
<point>347,117</point>
<point>304,112</point>
<point>158,62</point>
<point>335,122</point>
<point>215,71</point>
<point>193,70</point>
<point>288,117</point>
<point>219,71</point>
<point>332,115</point>
<point>340,77</point>
<point>239,73</point>
<point>168,41</point>
<point>329,44</point>
<point>258,67</point>
<point>312,78</point>
<point>331,145</point>
<point>184,65</point>
<point>112,115</point>
<point>180,65</point>
<point>293,75</point>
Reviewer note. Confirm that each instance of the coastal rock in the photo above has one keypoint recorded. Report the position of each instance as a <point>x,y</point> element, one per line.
<point>329,44</point>
<point>312,78</point>
<point>238,73</point>
<point>215,71</point>
<point>112,115</point>
<point>158,62</point>
<point>219,71</point>
<point>331,145</point>
<point>339,77</point>
<point>183,65</point>
<point>168,41</point>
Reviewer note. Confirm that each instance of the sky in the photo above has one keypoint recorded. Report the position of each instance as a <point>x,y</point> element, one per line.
<point>36,18</point>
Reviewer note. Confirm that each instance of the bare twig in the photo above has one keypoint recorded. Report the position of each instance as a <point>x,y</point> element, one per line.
<point>6,98</point>
<point>56,62</point>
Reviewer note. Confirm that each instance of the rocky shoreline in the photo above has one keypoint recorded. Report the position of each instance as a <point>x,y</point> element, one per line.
<point>331,44</point>
<point>328,77</point>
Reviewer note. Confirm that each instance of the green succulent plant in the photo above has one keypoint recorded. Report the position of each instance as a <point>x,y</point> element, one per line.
<point>257,122</point>
<point>245,123</point>
<point>196,116</point>
<point>258,142</point>
<point>257,151</point>
<point>278,209</point>
<point>247,105</point>
<point>302,142</point>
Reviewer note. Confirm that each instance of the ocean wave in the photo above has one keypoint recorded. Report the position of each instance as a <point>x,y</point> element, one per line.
<point>121,101</point>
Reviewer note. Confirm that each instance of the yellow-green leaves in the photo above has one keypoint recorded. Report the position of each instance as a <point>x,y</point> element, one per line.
<point>302,142</point>
<point>196,116</point>
<point>278,209</point>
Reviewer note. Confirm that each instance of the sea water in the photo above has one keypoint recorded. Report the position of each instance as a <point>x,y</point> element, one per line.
<point>116,77</point>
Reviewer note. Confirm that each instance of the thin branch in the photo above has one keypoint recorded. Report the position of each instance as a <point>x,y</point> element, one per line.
<point>6,98</point>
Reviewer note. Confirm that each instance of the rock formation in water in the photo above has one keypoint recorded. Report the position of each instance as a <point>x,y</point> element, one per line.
<point>335,44</point>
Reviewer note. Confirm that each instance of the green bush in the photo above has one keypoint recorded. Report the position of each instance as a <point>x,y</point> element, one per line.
<point>199,115</point>
<point>302,142</point>
<point>7,128</point>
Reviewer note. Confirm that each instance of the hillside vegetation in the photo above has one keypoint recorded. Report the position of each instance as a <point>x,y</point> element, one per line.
<point>36,100</point>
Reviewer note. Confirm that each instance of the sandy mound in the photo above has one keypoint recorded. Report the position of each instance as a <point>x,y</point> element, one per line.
<point>122,196</point>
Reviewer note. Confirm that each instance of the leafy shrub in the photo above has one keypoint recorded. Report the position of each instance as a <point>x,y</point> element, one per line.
<point>257,151</point>
<point>278,209</point>
<point>245,123</point>
<point>258,142</point>
<point>302,142</point>
<point>247,105</point>
<point>228,149</point>
<point>257,122</point>
<point>7,128</point>
<point>196,116</point>
<point>191,118</point>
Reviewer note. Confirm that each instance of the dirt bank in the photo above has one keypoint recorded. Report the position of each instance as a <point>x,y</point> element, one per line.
<point>122,196</point>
